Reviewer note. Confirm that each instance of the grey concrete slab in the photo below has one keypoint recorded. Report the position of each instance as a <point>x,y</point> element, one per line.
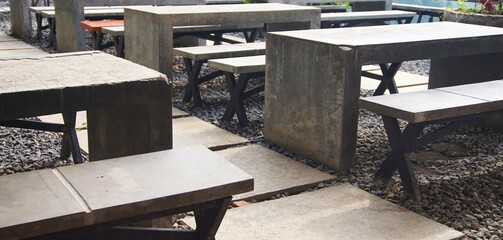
<point>339,212</point>
<point>21,53</point>
<point>366,15</point>
<point>194,131</point>
<point>109,88</point>
<point>14,45</point>
<point>221,51</point>
<point>177,113</point>
<point>248,64</point>
<point>20,18</point>
<point>149,28</point>
<point>426,105</point>
<point>4,9</point>
<point>273,172</point>
<point>6,38</point>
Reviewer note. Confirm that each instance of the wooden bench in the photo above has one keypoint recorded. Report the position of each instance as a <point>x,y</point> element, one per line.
<point>208,32</point>
<point>352,18</point>
<point>195,57</point>
<point>91,200</point>
<point>95,27</point>
<point>431,12</point>
<point>452,105</point>
<point>247,68</point>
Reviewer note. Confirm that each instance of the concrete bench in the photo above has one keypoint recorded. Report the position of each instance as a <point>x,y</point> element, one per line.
<point>451,105</point>
<point>91,200</point>
<point>247,68</point>
<point>195,57</point>
<point>213,2</point>
<point>431,12</point>
<point>208,32</point>
<point>95,28</point>
<point>351,18</point>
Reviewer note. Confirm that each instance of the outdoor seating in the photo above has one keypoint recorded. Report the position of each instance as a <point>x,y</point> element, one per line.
<point>452,106</point>
<point>431,12</point>
<point>96,200</point>
<point>195,57</point>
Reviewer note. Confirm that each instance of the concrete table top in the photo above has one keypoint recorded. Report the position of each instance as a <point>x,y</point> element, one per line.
<point>83,195</point>
<point>148,29</point>
<point>311,106</point>
<point>134,99</point>
<point>423,41</point>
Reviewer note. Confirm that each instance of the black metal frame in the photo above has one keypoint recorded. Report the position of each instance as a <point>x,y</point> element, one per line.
<point>69,143</point>
<point>238,92</point>
<point>408,140</point>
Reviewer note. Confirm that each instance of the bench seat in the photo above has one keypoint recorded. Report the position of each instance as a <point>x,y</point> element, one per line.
<point>209,32</point>
<point>452,105</point>
<point>195,57</point>
<point>337,19</point>
<point>89,200</point>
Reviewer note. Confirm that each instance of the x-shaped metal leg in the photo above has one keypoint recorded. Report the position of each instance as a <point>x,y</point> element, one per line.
<point>53,41</point>
<point>236,103</point>
<point>388,82</point>
<point>70,141</point>
<point>193,69</point>
<point>398,158</point>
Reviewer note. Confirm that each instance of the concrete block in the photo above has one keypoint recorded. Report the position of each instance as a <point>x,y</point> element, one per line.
<point>149,29</point>
<point>339,212</point>
<point>274,173</point>
<point>70,36</point>
<point>20,18</point>
<point>194,131</point>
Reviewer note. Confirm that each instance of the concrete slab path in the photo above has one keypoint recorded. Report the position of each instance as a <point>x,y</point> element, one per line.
<point>194,131</point>
<point>273,172</point>
<point>339,212</point>
<point>402,80</point>
<point>11,48</point>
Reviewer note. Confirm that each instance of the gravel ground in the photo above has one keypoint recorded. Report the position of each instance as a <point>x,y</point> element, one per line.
<point>460,176</point>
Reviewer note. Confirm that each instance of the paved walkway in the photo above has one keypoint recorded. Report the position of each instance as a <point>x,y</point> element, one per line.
<point>12,48</point>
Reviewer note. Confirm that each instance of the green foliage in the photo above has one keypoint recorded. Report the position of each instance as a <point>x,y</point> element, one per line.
<point>483,6</point>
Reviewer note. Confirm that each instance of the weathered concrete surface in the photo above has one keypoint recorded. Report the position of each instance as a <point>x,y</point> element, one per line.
<point>340,212</point>
<point>311,104</point>
<point>20,18</point>
<point>128,106</point>
<point>14,45</point>
<point>273,172</point>
<point>70,36</point>
<point>150,29</point>
<point>194,131</point>
<point>22,54</point>
<point>6,38</point>
<point>177,113</point>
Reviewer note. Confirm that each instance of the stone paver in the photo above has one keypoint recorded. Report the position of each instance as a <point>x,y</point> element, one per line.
<point>4,37</point>
<point>402,80</point>
<point>273,172</point>
<point>194,131</point>
<point>340,212</point>
<point>21,53</point>
<point>4,9</point>
<point>14,45</point>
<point>177,113</point>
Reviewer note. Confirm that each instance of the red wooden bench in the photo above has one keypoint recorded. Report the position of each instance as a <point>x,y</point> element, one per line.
<point>94,26</point>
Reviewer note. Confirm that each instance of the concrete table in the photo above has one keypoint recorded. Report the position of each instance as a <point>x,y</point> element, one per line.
<point>149,30</point>
<point>128,105</point>
<point>311,95</point>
